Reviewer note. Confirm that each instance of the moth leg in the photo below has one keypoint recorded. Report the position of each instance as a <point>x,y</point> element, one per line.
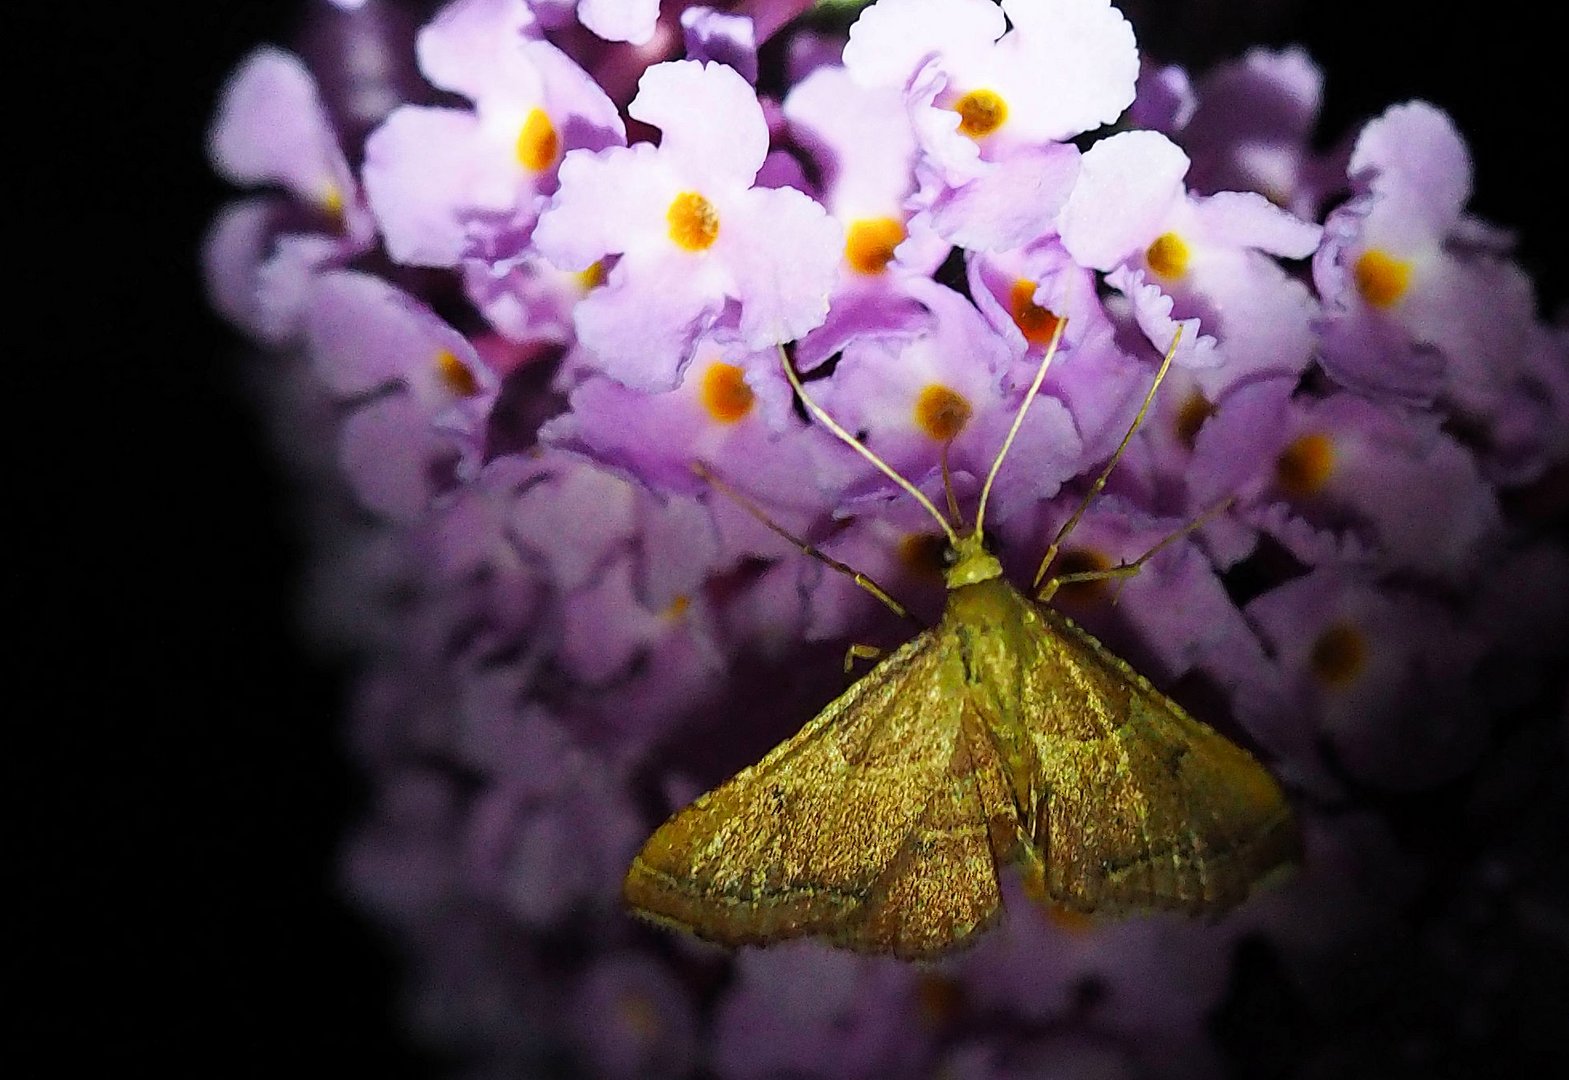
<point>1128,569</point>
<point>859,652</point>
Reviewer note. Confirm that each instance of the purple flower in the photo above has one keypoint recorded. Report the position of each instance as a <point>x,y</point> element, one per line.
<point>422,391</point>
<point>862,144</point>
<point>1419,302</point>
<point>260,255</point>
<point>1197,260</point>
<point>451,184</point>
<point>692,233</point>
<point>1251,127</point>
<point>978,92</point>
<point>1342,480</point>
<point>1381,675</point>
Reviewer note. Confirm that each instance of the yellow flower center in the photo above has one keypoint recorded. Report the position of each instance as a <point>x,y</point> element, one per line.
<point>1080,561</point>
<point>455,375</point>
<point>538,144</point>
<point>869,244</point>
<point>941,998</point>
<point>1036,323</point>
<point>725,394</point>
<point>1339,655</point>
<point>591,278</point>
<point>981,112</point>
<point>941,413</point>
<point>678,607</point>
<point>694,223</point>
<point>1191,416</point>
<point>1381,278</point>
<point>638,1015</point>
<point>332,201</point>
<point>1304,467</point>
<point>921,554</point>
<point>1168,256</point>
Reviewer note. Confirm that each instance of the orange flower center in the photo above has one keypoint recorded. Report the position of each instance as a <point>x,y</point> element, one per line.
<point>941,413</point>
<point>1304,467</point>
<point>1168,256</point>
<point>694,223</point>
<point>1191,416</point>
<point>981,112</point>
<point>1036,323</point>
<point>869,244</point>
<point>725,393</point>
<point>921,554</point>
<point>1339,655</point>
<point>1381,278</point>
<point>455,375</point>
<point>538,144</point>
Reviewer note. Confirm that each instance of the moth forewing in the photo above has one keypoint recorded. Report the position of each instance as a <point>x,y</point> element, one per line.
<point>866,827</point>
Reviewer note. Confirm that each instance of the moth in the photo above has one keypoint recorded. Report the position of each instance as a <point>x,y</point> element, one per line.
<point>1005,734</point>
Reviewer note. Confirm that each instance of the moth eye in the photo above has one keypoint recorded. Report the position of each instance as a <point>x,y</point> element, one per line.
<point>949,555</point>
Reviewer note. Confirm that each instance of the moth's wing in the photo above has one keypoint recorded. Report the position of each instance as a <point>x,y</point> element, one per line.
<point>1141,806</point>
<point>866,827</point>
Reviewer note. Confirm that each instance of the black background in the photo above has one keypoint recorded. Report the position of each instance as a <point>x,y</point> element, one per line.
<point>178,791</point>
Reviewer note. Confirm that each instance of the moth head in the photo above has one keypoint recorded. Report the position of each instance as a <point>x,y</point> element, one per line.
<point>967,561</point>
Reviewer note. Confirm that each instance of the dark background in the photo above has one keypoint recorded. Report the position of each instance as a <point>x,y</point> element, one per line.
<point>179,791</point>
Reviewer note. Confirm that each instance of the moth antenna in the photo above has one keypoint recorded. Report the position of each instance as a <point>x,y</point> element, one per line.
<point>1100,481</point>
<point>947,486</point>
<point>865,582</point>
<point>1018,422</point>
<point>859,447</point>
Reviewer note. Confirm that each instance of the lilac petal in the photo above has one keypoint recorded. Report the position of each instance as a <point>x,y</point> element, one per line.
<point>606,626</point>
<point>232,251</point>
<point>1046,452</point>
<point>635,1019</point>
<point>393,458</point>
<point>679,550</point>
<point>784,256</point>
<point>285,280</point>
<point>1163,99</point>
<point>620,20</point>
<point>1012,204</point>
<point>892,39</point>
<point>1264,324</point>
<point>586,116</point>
<point>1152,310</point>
<point>641,324</point>
<point>472,45</point>
<point>721,37</point>
<point>1247,219</point>
<point>1415,150</point>
<point>612,201</point>
<point>859,137</point>
<point>575,521</point>
<point>526,300</point>
<point>1074,61</point>
<point>1253,124</point>
<point>363,333</point>
<point>272,128</point>
<point>421,168</point>
<point>1127,185</point>
<point>711,126</point>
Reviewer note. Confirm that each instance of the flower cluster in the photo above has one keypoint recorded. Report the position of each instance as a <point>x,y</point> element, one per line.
<point>512,329</point>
